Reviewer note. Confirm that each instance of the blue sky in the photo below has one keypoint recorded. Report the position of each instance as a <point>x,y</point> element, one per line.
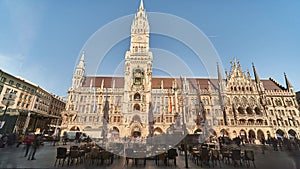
<point>41,40</point>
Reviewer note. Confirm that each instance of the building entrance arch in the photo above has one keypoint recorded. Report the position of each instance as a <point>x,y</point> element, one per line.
<point>75,128</point>
<point>251,136</point>
<point>279,133</point>
<point>243,134</point>
<point>260,135</point>
<point>292,133</point>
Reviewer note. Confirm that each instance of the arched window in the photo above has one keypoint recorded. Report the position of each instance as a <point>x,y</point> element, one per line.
<point>241,110</point>
<point>249,110</point>
<point>257,111</point>
<point>137,96</point>
<point>137,107</point>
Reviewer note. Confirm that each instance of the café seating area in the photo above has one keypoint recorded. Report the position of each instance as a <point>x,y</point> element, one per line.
<point>202,155</point>
<point>88,153</point>
<point>207,155</point>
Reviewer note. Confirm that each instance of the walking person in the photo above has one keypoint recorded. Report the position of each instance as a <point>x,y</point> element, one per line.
<point>263,148</point>
<point>65,138</point>
<point>20,139</point>
<point>28,141</point>
<point>35,145</point>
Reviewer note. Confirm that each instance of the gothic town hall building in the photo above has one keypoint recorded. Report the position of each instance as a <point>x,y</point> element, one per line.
<point>236,105</point>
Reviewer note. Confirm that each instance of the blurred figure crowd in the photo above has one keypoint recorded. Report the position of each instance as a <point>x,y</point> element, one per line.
<point>31,142</point>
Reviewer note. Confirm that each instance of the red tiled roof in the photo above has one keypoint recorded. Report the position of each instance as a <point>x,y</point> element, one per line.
<point>271,85</point>
<point>167,82</point>
<point>108,81</point>
<point>156,82</point>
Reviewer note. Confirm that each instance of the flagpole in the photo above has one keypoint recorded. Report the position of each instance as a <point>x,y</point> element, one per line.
<point>184,125</point>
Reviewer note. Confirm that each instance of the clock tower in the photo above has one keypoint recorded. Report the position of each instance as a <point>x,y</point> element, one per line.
<point>138,77</point>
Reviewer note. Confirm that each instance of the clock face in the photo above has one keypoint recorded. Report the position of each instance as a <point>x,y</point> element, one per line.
<point>139,38</point>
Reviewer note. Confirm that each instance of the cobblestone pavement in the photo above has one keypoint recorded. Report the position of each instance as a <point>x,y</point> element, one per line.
<point>12,157</point>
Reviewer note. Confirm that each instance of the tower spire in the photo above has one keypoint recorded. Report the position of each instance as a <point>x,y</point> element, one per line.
<point>81,61</point>
<point>287,82</point>
<point>257,80</point>
<point>141,5</point>
<point>219,73</point>
<point>79,72</point>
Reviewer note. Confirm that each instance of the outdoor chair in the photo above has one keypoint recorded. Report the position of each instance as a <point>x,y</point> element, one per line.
<point>61,155</point>
<point>74,148</point>
<point>215,157</point>
<point>236,156</point>
<point>171,155</point>
<point>106,157</point>
<point>93,155</point>
<point>162,157</point>
<point>74,155</point>
<point>204,157</point>
<point>249,156</point>
<point>226,155</point>
<point>195,156</point>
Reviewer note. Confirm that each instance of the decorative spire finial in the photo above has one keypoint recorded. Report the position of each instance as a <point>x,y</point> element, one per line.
<point>257,80</point>
<point>288,83</point>
<point>141,5</point>
<point>219,73</point>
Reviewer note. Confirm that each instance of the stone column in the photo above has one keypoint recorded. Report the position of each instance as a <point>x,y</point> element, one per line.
<point>26,122</point>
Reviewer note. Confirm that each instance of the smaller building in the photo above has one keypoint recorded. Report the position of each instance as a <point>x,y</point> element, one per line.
<point>33,110</point>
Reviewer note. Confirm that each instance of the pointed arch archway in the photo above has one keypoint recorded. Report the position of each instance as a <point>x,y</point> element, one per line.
<point>292,133</point>
<point>75,128</point>
<point>198,131</point>
<point>224,133</point>
<point>251,136</point>
<point>279,133</point>
<point>260,135</point>
<point>243,134</point>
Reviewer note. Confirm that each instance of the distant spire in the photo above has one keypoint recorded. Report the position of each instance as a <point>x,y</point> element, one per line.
<point>287,82</point>
<point>81,61</point>
<point>226,73</point>
<point>141,5</point>
<point>257,80</point>
<point>219,73</point>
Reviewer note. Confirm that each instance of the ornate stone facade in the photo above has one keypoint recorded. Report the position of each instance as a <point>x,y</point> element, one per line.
<point>236,105</point>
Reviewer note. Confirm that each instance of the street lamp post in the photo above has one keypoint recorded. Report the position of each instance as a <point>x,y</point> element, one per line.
<point>8,100</point>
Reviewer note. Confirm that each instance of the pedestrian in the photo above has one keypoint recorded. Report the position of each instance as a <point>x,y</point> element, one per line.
<point>20,139</point>
<point>274,143</point>
<point>77,137</point>
<point>35,145</point>
<point>263,142</point>
<point>65,138</point>
<point>28,141</point>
